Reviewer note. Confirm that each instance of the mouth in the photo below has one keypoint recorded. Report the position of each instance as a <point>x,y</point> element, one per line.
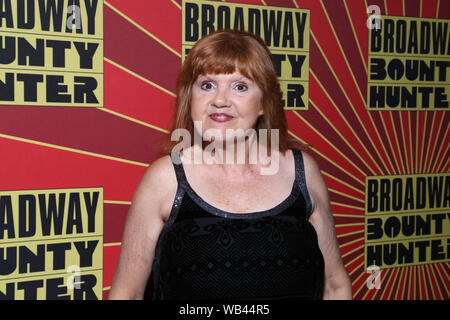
<point>220,117</point>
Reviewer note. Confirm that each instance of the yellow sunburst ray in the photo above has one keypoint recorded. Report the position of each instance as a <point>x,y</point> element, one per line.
<point>331,25</point>
<point>112,244</point>
<point>405,148</point>
<point>437,8</point>
<point>331,144</point>
<point>346,205</point>
<point>176,4</point>
<point>396,139</point>
<point>411,158</point>
<point>422,284</point>
<point>354,270</point>
<point>430,153</point>
<point>434,279</point>
<point>443,275</point>
<point>322,155</point>
<point>429,273</point>
<point>346,195</point>
<point>350,243</point>
<point>354,224</point>
<point>139,77</point>
<point>134,23</point>
<point>417,143</point>
<point>398,277</point>
<point>352,251</point>
<point>117,202</point>
<point>438,162</point>
<point>405,282</point>
<point>330,123</point>
<point>330,176</point>
<point>427,152</point>
<point>354,36</point>
<point>120,115</point>
<point>342,116</point>
<point>341,235</point>
<point>79,151</point>
<point>413,283</point>
<point>390,143</point>
<point>423,142</point>
<point>383,280</point>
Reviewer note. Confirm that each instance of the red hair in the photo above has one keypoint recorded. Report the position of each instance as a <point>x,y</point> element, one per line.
<point>222,52</point>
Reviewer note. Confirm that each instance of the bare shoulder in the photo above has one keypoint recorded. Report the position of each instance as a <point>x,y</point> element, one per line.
<point>313,175</point>
<point>160,168</point>
<point>311,166</point>
<point>148,212</point>
<point>337,283</point>
<point>315,182</point>
<point>158,186</point>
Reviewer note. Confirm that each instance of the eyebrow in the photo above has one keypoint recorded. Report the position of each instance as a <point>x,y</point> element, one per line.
<point>209,77</point>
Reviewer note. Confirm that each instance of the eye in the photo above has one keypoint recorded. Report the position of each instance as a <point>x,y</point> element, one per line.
<point>207,85</point>
<point>241,87</point>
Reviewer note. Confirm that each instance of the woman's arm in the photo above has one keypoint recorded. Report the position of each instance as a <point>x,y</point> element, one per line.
<point>337,281</point>
<point>148,211</point>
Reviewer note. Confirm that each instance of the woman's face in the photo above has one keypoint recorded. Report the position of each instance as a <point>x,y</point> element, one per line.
<point>226,101</point>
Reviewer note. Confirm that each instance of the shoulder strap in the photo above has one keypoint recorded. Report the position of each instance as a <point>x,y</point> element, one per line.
<point>179,170</point>
<point>181,189</point>
<point>301,179</point>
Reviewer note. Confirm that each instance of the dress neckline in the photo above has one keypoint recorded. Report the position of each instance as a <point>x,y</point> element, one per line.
<point>288,201</point>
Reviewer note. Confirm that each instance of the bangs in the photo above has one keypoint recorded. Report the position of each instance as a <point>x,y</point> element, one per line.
<point>226,57</point>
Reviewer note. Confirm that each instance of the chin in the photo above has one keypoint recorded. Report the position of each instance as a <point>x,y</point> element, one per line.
<point>229,135</point>
<point>214,134</point>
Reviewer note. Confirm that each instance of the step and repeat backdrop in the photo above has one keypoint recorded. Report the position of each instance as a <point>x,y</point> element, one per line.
<point>87,93</point>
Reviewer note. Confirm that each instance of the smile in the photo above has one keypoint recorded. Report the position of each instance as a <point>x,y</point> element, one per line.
<point>220,117</point>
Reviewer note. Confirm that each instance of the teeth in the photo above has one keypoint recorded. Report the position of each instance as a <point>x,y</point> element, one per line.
<point>220,116</point>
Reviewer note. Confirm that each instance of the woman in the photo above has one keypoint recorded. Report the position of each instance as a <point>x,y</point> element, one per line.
<point>224,230</point>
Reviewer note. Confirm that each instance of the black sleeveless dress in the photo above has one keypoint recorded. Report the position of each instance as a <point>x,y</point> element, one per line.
<point>207,253</point>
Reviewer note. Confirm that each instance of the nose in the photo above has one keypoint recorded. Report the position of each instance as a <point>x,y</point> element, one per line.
<point>221,98</point>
